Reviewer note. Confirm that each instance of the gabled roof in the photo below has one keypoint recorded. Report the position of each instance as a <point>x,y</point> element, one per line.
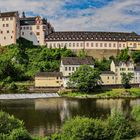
<point>107,72</point>
<point>93,36</point>
<point>49,74</point>
<point>117,63</point>
<point>77,61</point>
<point>9,14</point>
<point>30,21</point>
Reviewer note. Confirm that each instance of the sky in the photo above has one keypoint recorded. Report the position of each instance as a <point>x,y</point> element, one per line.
<point>82,15</point>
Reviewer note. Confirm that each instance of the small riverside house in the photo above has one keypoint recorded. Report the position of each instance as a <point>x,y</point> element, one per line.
<point>71,64</point>
<point>48,79</point>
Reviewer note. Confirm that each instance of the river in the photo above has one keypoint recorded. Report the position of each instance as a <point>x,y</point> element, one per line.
<point>45,116</point>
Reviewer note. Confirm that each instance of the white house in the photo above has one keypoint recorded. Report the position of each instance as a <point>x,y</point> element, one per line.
<point>70,64</point>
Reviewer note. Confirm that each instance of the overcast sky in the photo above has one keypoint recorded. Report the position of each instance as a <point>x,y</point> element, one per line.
<point>82,15</point>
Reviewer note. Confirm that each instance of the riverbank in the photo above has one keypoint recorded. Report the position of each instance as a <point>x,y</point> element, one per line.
<point>104,94</point>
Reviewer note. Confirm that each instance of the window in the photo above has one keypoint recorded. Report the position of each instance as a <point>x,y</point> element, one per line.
<point>77,44</point>
<point>91,44</point>
<point>7,31</point>
<point>109,44</point>
<point>11,18</point>
<point>37,27</point>
<point>69,68</point>
<point>3,25</point>
<point>7,25</point>
<point>2,19</point>
<point>1,32</point>
<point>30,28</point>
<point>81,44</point>
<point>114,45</point>
<point>65,68</point>
<point>37,33</point>
<point>112,77</point>
<point>105,44</point>
<point>4,38</point>
<point>108,77</point>
<point>101,45</point>
<point>73,44</point>
<point>7,18</point>
<point>96,44</point>
<point>11,37</point>
<point>31,33</point>
<point>87,44</point>
<point>72,68</point>
<point>22,33</point>
<point>69,44</point>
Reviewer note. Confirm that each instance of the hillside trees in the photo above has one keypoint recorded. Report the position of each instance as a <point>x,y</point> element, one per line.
<point>22,61</point>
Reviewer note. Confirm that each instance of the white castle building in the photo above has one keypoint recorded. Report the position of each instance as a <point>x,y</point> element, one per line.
<point>12,27</point>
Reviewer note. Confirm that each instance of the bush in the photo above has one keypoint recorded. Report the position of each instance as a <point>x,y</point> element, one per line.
<point>135,113</point>
<point>118,127</point>
<point>83,129</point>
<point>19,134</point>
<point>8,123</point>
<point>12,86</point>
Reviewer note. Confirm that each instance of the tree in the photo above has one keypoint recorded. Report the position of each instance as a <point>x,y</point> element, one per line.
<point>125,79</point>
<point>85,79</point>
<point>124,55</point>
<point>12,128</point>
<point>136,56</point>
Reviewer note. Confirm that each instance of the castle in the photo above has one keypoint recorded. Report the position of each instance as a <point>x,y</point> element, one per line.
<point>40,32</point>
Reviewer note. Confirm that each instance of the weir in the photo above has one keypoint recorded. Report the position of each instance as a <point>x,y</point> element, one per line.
<point>27,96</point>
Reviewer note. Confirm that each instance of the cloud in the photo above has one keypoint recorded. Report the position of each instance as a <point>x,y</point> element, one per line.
<point>89,15</point>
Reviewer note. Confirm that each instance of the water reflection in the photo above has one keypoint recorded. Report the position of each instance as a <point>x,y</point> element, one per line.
<point>44,116</point>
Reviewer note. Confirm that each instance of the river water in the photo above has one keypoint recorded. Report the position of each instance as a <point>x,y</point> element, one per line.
<point>45,116</point>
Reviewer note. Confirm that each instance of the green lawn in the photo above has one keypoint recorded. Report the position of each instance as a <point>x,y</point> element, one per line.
<point>114,93</point>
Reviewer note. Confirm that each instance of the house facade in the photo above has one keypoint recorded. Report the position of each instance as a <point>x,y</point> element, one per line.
<point>35,29</point>
<point>93,40</point>
<point>108,78</point>
<point>48,80</point>
<point>9,28</point>
<point>71,64</point>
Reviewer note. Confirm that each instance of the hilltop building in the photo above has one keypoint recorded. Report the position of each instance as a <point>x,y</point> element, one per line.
<point>9,28</point>
<point>12,27</point>
<point>93,40</point>
<point>35,29</point>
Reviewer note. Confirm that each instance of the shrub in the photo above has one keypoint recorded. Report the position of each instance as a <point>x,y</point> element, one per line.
<point>83,129</point>
<point>12,86</point>
<point>8,123</point>
<point>135,113</point>
<point>19,134</point>
<point>118,127</point>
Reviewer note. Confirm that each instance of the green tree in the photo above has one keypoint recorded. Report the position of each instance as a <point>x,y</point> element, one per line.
<point>85,79</point>
<point>124,55</point>
<point>81,128</point>
<point>136,56</point>
<point>125,79</point>
<point>12,128</point>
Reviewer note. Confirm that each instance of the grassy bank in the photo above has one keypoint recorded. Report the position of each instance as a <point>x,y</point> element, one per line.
<point>113,93</point>
<point>16,87</point>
